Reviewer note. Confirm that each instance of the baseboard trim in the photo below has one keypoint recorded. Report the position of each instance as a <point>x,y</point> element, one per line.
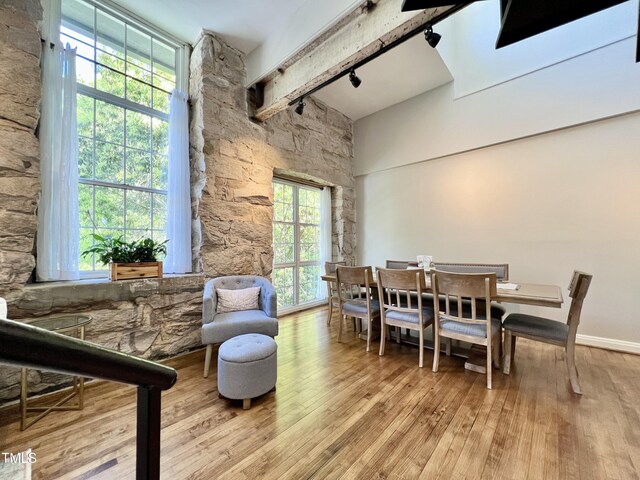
<point>608,343</point>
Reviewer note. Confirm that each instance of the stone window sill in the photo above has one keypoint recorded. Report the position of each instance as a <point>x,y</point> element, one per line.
<point>48,296</point>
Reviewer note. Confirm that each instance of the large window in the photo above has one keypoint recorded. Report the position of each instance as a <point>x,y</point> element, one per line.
<point>125,74</point>
<point>296,243</point>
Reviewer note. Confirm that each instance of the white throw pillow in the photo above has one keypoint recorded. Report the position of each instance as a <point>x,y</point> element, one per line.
<point>235,300</point>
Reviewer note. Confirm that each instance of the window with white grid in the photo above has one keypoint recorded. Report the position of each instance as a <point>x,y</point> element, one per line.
<point>125,73</point>
<point>296,243</point>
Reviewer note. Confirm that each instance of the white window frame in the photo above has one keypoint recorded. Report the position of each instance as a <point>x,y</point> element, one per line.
<point>53,20</point>
<point>297,263</point>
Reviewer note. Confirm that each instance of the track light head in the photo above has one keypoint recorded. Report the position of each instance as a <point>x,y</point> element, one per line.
<point>354,79</point>
<point>300,106</point>
<point>431,37</point>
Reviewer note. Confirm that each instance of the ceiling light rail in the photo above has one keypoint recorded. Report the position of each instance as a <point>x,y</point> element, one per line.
<point>383,49</point>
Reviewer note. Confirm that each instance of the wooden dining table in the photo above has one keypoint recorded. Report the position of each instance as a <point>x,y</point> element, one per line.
<point>542,295</point>
<point>526,293</point>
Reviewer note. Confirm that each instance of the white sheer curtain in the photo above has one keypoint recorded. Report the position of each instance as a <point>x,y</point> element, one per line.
<point>325,237</point>
<point>58,217</point>
<point>179,188</point>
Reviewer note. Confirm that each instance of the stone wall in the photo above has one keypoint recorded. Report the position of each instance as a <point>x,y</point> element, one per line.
<point>150,318</point>
<point>234,158</point>
<point>19,148</point>
<point>233,161</point>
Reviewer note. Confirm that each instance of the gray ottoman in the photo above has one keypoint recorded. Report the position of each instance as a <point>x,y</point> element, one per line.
<point>247,367</point>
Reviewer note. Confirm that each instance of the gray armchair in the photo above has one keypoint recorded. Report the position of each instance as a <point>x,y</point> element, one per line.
<point>218,327</point>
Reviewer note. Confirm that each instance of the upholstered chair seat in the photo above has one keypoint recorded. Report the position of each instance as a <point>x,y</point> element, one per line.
<point>537,326</point>
<point>550,331</point>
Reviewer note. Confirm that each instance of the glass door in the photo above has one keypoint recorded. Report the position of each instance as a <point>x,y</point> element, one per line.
<point>296,244</point>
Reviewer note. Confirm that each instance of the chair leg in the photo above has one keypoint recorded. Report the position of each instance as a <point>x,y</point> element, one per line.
<point>207,360</point>
<point>421,353</point>
<point>513,348</point>
<point>398,334</point>
<point>369,328</point>
<point>436,352</point>
<point>383,335</point>
<point>506,363</point>
<point>329,294</point>
<point>447,347</point>
<point>343,318</point>
<point>489,362</point>
<point>570,354</point>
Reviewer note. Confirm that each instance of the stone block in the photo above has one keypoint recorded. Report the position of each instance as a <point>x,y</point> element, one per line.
<point>280,138</point>
<point>16,243</point>
<point>231,168</point>
<point>228,148</point>
<point>262,215</point>
<point>15,268</point>
<point>17,223</point>
<point>19,150</point>
<point>249,232</point>
<point>19,86</point>
<point>255,193</point>
<point>261,174</point>
<point>231,211</point>
<point>25,187</point>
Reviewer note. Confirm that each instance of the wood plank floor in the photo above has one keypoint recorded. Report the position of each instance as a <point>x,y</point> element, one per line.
<point>340,412</point>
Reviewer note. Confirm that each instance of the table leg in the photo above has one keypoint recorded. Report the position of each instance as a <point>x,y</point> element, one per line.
<point>477,361</point>
<point>76,391</point>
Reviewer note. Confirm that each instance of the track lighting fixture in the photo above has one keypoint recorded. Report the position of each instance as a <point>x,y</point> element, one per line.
<point>431,37</point>
<point>354,79</point>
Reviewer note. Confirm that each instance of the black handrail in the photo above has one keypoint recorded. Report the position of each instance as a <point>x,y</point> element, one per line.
<point>24,345</point>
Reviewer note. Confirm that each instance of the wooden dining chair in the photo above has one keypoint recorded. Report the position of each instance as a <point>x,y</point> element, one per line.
<point>332,287</point>
<point>354,293</point>
<point>400,264</point>
<point>400,293</point>
<point>500,269</point>
<point>550,331</point>
<point>462,305</point>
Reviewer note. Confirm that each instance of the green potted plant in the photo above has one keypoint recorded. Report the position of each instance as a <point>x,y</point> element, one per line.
<point>127,260</point>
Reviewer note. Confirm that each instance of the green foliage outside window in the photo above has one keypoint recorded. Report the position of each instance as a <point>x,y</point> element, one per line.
<point>296,243</point>
<point>123,150</point>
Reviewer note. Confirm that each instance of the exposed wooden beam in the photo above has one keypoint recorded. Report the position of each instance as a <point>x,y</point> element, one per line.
<point>367,30</point>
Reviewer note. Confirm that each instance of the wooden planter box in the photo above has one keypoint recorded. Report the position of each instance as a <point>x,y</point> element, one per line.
<point>127,271</point>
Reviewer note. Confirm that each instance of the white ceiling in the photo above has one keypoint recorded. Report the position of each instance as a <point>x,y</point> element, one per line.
<point>244,24</point>
<point>404,72</point>
<point>408,70</point>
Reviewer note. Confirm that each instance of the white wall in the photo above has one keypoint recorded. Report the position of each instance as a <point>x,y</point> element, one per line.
<point>477,179</point>
<point>546,205</point>
<point>602,83</point>
<point>469,38</point>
